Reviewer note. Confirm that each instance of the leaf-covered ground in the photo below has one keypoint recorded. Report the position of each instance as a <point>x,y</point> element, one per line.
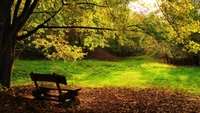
<point>102,100</point>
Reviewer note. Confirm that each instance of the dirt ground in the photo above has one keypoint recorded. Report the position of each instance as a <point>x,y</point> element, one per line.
<point>102,100</point>
<point>100,54</point>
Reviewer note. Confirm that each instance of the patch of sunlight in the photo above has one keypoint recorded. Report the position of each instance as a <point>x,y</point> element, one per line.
<point>79,76</point>
<point>183,77</point>
<point>198,81</point>
<point>156,65</point>
<point>131,79</point>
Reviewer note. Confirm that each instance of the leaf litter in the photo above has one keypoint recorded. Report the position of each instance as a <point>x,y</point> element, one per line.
<point>18,99</point>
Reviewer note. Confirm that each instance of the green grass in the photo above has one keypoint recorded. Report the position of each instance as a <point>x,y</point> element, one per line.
<point>136,72</point>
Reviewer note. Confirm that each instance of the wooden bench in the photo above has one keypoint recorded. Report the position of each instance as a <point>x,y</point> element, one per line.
<point>65,93</point>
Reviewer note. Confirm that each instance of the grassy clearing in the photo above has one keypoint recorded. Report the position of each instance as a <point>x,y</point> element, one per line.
<point>132,72</point>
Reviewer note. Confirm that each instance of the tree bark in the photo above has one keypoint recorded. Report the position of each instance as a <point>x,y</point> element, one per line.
<point>6,64</point>
<point>9,27</point>
<point>6,49</point>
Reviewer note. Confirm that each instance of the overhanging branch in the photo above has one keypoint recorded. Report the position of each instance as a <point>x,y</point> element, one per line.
<point>142,30</point>
<point>17,20</point>
<point>37,28</point>
<point>20,21</point>
<point>42,12</point>
<point>82,3</point>
<point>166,17</point>
<point>16,9</point>
<point>81,27</point>
<point>24,12</point>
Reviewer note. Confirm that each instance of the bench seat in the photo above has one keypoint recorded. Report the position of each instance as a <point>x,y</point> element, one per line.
<point>64,88</point>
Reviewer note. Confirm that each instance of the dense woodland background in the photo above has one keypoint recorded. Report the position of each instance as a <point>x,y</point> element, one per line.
<point>170,31</point>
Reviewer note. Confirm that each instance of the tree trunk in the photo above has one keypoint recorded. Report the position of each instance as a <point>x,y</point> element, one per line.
<point>6,43</point>
<point>9,27</point>
<point>6,65</point>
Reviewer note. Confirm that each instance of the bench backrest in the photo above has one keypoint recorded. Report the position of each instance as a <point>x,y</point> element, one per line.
<point>48,78</point>
<point>58,79</point>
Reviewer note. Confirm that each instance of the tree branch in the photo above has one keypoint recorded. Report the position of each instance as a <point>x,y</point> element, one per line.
<point>113,16</point>
<point>37,28</point>
<point>82,3</point>
<point>16,9</point>
<point>47,12</point>
<point>24,12</point>
<point>142,29</point>
<point>29,12</point>
<point>82,27</point>
<point>165,16</point>
<point>13,30</point>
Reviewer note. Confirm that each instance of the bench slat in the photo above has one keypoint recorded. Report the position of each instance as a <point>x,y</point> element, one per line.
<point>49,78</point>
<point>62,88</point>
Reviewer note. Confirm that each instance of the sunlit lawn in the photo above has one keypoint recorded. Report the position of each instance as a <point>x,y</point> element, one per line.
<point>132,72</point>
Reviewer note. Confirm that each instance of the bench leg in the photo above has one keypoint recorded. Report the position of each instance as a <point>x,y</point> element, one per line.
<point>61,98</point>
<point>69,98</point>
<point>45,92</point>
<point>37,94</point>
<point>68,95</point>
<point>72,102</point>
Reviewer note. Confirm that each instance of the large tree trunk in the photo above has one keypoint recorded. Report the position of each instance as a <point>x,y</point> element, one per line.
<point>6,65</point>
<point>9,27</point>
<point>6,43</point>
